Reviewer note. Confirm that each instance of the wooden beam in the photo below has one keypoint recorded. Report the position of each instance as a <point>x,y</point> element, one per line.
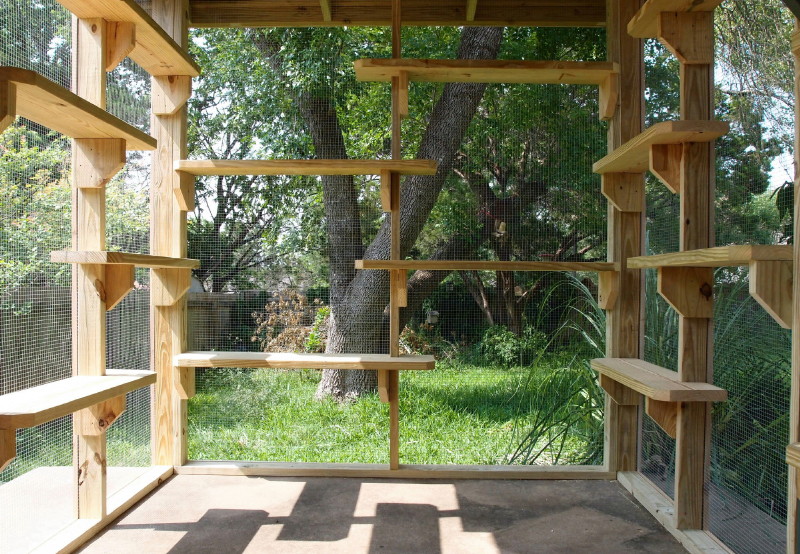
<point>305,167</point>
<point>689,290</point>
<point>472,7</point>
<point>485,265</point>
<point>793,542</point>
<point>120,42</point>
<point>98,160</point>
<point>607,289</point>
<point>96,419</point>
<point>771,285</point>
<point>104,257</point>
<point>289,360</point>
<point>394,419</point>
<point>378,13</point>
<point>8,104</point>
<point>619,393</point>
<point>383,385</point>
<point>173,284</point>
<point>119,282</point>
<point>608,96</point>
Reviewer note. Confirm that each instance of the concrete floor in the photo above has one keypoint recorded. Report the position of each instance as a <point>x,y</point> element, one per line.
<point>224,514</point>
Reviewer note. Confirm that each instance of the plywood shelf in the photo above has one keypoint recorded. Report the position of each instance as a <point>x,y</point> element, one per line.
<point>720,256</point>
<point>656,382</point>
<point>102,257</point>
<point>645,23</point>
<point>486,71</point>
<point>37,405</point>
<point>482,265</point>
<point>43,101</point>
<point>155,51</point>
<point>305,167</point>
<point>634,155</point>
<point>281,360</point>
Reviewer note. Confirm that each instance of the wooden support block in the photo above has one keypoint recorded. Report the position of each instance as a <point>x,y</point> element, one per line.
<point>118,283</point>
<point>383,385</point>
<point>386,190</point>
<point>608,96</point>
<point>174,283</point>
<point>688,35</point>
<point>8,104</point>
<point>665,163</point>
<point>184,192</point>
<point>170,93</point>
<point>689,290</point>
<point>608,289</point>
<point>665,414</point>
<point>399,283</point>
<point>771,285</point>
<point>619,393</point>
<point>120,41</point>
<point>97,161</point>
<point>402,94</point>
<point>8,447</point>
<point>624,191</point>
<point>325,6</point>
<point>472,7</point>
<point>186,382</point>
<point>96,420</point>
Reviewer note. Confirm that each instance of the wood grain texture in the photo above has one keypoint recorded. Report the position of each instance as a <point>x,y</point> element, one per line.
<point>619,393</point>
<point>720,256</point>
<point>120,42</point>
<point>155,51</point>
<point>119,282</point>
<point>485,71</point>
<point>98,160</point>
<point>482,265</point>
<point>665,164</point>
<point>771,285</point>
<point>307,13</point>
<point>624,191</point>
<point>685,35</point>
<point>106,257</point>
<point>794,403</point>
<point>303,361</point>
<point>54,107</point>
<point>170,93</point>
<point>37,405</point>
<point>634,155</point>
<point>689,290</point>
<point>656,382</point>
<point>645,23</point>
<point>8,447</point>
<point>305,167</point>
<point>665,414</point>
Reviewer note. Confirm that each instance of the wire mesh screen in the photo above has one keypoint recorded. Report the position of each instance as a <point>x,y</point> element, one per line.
<point>515,183</point>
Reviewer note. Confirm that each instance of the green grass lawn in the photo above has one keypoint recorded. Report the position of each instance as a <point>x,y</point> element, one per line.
<point>457,414</point>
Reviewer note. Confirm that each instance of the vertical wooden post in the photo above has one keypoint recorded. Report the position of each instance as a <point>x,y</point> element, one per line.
<point>624,333</point>
<point>168,238</point>
<point>695,338</point>
<point>794,409</point>
<point>88,302</point>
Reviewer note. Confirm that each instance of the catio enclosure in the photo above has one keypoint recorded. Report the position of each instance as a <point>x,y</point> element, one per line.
<point>470,239</point>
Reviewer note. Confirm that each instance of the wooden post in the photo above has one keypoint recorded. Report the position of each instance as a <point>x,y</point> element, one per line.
<point>168,238</point>
<point>695,338</point>
<point>794,408</point>
<point>624,334</point>
<point>88,233</point>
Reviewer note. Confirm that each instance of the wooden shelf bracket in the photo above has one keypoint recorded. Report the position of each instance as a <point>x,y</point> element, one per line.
<point>8,447</point>
<point>688,35</point>
<point>690,290</point>
<point>771,285</point>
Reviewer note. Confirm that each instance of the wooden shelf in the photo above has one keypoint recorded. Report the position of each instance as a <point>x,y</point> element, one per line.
<point>656,382</point>
<point>53,106</point>
<point>37,405</point>
<point>280,360</point>
<point>139,260</point>
<point>305,167</point>
<point>634,155</point>
<point>645,23</point>
<point>480,265</point>
<point>155,51</point>
<point>721,256</point>
<point>486,71</point>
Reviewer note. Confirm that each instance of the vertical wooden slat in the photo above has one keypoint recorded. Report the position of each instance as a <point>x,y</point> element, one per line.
<point>88,233</point>
<point>695,339</point>
<point>624,333</point>
<point>168,238</point>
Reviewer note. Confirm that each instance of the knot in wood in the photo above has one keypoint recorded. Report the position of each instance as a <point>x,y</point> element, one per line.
<point>706,290</point>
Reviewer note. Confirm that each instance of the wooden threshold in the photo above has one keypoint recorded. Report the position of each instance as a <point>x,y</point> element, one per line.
<point>486,71</point>
<point>382,471</point>
<point>645,23</point>
<point>656,382</point>
<point>484,265</point>
<point>634,155</point>
<point>280,360</point>
<point>354,13</point>
<point>102,257</point>
<point>80,531</point>
<point>55,107</point>
<point>305,167</point>
<point>37,405</point>
<point>154,50</point>
<point>720,256</point>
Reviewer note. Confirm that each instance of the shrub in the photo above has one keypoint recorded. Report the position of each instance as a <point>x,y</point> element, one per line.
<point>500,346</point>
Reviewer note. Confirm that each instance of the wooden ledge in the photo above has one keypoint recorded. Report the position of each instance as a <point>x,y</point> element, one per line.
<point>37,405</point>
<point>280,360</point>
<point>154,50</point>
<point>483,265</point>
<point>102,257</point>
<point>720,256</point>
<point>634,155</point>
<point>28,94</point>
<point>645,23</point>
<point>305,167</point>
